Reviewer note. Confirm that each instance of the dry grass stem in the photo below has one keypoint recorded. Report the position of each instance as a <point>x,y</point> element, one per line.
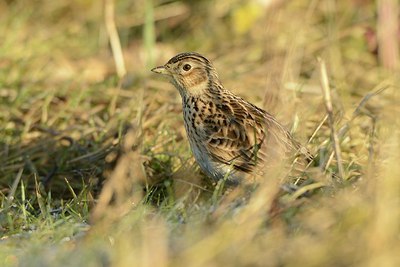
<point>109,18</point>
<point>329,109</point>
<point>388,27</point>
<point>14,187</point>
<point>122,190</point>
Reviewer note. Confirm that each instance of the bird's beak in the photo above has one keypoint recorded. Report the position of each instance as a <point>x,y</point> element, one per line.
<point>161,70</point>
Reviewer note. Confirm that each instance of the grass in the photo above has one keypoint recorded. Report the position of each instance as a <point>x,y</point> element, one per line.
<point>96,170</point>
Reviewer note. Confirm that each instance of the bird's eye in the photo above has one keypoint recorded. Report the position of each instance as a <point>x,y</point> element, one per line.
<point>186,67</point>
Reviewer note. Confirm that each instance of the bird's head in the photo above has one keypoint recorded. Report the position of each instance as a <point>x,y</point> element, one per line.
<point>191,73</point>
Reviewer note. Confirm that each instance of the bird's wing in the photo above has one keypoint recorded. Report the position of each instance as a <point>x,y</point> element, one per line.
<point>246,136</point>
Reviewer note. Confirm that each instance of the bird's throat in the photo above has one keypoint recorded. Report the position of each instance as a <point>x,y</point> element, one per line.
<point>198,88</point>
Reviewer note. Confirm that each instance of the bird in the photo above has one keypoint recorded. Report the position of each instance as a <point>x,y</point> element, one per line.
<point>231,139</point>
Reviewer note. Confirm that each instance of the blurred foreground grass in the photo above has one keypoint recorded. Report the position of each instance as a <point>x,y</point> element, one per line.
<point>77,145</point>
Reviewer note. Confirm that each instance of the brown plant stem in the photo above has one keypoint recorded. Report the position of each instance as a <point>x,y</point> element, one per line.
<point>326,91</point>
<point>113,36</point>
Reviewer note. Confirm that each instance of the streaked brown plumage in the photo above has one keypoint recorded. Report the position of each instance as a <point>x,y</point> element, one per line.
<point>230,138</point>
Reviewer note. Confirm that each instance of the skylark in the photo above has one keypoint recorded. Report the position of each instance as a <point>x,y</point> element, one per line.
<point>230,138</point>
